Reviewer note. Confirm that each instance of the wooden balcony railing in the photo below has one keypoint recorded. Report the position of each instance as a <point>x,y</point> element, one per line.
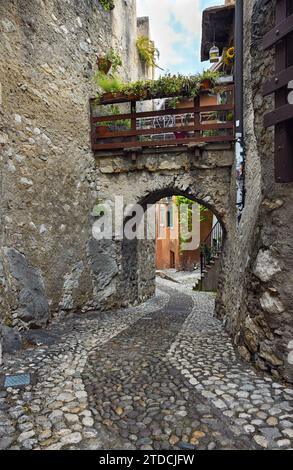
<point>163,127</point>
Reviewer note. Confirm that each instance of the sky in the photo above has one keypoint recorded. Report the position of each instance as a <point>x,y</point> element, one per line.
<point>176,29</point>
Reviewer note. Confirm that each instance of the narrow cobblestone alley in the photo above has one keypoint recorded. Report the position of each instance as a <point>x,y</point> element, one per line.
<point>160,376</point>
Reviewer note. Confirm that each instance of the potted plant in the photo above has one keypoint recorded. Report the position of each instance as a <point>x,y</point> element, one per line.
<point>229,59</point>
<point>104,64</point>
<point>147,51</point>
<point>113,125</point>
<point>208,80</point>
<point>110,60</point>
<point>205,84</point>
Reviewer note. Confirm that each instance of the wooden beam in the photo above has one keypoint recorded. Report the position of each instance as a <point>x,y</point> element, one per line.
<point>280,80</point>
<point>284,113</point>
<point>281,30</point>
<point>163,143</point>
<point>284,152</point>
<point>165,112</point>
<point>163,130</point>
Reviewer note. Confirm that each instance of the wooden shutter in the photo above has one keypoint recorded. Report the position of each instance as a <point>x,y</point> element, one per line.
<point>281,37</point>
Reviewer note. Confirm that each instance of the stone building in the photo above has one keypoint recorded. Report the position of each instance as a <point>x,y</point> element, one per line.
<point>50,182</point>
<point>255,295</point>
<point>48,259</point>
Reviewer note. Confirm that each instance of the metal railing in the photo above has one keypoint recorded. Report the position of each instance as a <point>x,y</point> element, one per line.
<point>211,247</point>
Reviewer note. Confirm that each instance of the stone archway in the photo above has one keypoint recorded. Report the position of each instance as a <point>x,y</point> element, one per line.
<point>206,179</point>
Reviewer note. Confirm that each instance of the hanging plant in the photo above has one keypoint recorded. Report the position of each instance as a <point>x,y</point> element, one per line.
<point>107,4</point>
<point>103,64</point>
<point>147,51</point>
<point>110,60</point>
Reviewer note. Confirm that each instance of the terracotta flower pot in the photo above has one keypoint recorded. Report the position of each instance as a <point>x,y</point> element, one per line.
<point>104,64</point>
<point>205,84</point>
<point>120,97</point>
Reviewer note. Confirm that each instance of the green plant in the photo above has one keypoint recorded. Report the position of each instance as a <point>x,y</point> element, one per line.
<point>147,51</point>
<point>186,216</point>
<point>210,133</point>
<point>120,123</point>
<point>108,4</point>
<point>173,103</point>
<point>168,85</point>
<point>108,83</point>
<point>113,110</point>
<point>165,86</point>
<point>115,59</point>
<point>210,75</point>
<point>230,116</point>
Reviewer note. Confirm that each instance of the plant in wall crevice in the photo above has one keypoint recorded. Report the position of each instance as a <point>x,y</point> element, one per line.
<point>147,51</point>
<point>107,4</point>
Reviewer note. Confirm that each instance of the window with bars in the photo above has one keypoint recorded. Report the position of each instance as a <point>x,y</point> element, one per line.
<point>281,38</point>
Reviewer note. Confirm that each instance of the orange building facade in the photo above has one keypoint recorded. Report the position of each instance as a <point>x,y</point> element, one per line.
<point>168,247</point>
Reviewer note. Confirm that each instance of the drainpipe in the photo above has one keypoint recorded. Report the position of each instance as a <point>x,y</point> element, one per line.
<point>240,149</point>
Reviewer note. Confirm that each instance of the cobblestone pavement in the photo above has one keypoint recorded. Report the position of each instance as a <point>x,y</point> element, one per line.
<point>160,376</point>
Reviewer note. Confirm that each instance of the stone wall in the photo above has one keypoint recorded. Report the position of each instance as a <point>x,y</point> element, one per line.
<point>256,295</point>
<point>48,260</point>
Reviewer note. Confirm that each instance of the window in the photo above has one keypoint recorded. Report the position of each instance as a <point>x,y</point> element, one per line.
<point>162,215</point>
<point>170,217</point>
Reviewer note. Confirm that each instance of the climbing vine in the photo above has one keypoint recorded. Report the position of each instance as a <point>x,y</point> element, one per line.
<point>186,217</point>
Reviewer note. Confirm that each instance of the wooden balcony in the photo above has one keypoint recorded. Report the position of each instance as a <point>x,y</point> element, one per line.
<point>140,125</point>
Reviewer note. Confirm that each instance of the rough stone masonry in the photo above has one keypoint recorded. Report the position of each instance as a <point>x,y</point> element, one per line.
<point>48,260</point>
<point>50,182</point>
<point>255,294</point>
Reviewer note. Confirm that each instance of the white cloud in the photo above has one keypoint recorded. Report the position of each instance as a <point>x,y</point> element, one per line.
<point>186,12</point>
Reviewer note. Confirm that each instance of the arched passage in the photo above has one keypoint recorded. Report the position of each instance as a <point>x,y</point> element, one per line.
<point>138,258</point>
